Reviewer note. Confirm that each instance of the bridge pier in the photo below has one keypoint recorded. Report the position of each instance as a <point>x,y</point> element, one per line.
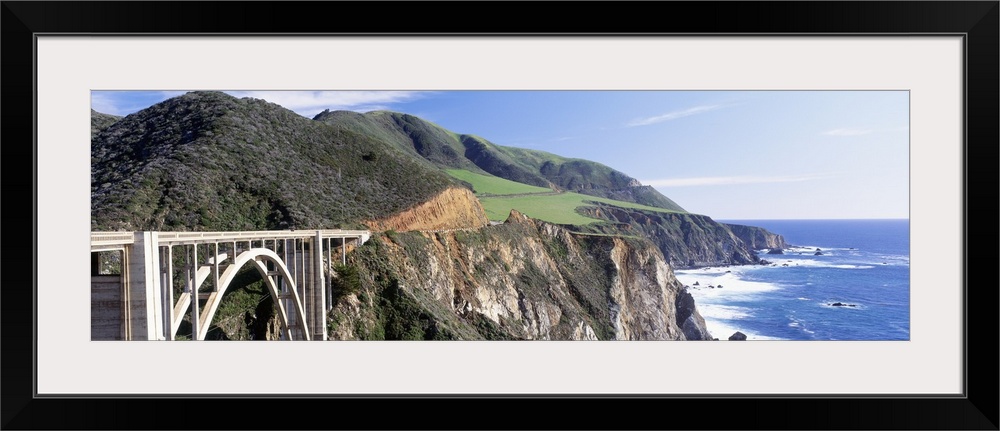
<point>143,288</point>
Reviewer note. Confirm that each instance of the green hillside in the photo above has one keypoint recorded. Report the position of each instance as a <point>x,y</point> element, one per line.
<point>487,185</point>
<point>449,150</point>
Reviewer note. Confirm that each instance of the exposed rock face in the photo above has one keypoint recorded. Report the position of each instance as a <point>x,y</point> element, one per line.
<point>738,336</point>
<point>454,208</point>
<point>524,279</point>
<point>686,240</point>
<point>689,319</point>
<point>757,238</point>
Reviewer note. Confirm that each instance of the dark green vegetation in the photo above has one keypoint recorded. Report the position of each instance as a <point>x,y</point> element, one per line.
<point>246,310</point>
<point>209,161</point>
<point>448,150</point>
<point>99,122</point>
<point>345,281</point>
<point>389,311</point>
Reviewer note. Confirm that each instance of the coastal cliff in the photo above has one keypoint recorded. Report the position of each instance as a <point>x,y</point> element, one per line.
<point>686,240</point>
<point>523,279</point>
<point>757,238</point>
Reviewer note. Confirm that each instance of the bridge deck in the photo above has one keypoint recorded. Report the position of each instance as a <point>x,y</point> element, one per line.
<point>100,241</point>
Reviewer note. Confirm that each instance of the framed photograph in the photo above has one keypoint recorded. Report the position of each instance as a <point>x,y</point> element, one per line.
<point>928,70</point>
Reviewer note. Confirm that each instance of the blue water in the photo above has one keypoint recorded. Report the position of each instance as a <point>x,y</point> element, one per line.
<point>864,263</point>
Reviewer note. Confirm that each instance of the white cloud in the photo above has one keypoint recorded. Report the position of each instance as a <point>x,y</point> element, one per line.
<point>310,103</point>
<point>126,102</point>
<point>103,103</point>
<point>847,132</point>
<point>672,115</point>
<point>732,180</point>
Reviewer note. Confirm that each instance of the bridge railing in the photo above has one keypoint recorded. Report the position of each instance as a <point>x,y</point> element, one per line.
<point>179,238</point>
<point>109,241</point>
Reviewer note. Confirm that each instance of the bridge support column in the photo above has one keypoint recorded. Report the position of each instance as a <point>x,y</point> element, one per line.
<point>317,300</point>
<point>143,286</point>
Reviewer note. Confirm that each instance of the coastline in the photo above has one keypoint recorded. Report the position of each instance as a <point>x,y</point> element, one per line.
<point>713,302</point>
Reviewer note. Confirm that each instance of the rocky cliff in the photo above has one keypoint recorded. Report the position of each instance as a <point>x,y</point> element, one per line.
<point>757,238</point>
<point>686,240</point>
<point>454,208</point>
<point>523,279</point>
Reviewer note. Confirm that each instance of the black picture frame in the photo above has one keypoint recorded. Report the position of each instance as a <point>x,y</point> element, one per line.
<point>977,22</point>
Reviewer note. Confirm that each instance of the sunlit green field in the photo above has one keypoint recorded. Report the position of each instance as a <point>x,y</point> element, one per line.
<point>490,185</point>
<point>559,208</point>
<point>499,196</point>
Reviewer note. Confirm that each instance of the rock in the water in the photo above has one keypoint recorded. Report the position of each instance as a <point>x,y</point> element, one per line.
<point>738,336</point>
<point>719,286</point>
<point>775,251</point>
<point>695,284</point>
<point>818,253</point>
<point>818,249</point>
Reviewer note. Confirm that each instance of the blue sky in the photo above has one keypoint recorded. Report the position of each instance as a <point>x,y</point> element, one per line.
<point>732,155</point>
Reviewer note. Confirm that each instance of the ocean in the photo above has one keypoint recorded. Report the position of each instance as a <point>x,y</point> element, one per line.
<point>863,265</point>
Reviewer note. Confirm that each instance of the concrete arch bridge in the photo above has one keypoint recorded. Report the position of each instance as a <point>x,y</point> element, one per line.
<point>138,300</point>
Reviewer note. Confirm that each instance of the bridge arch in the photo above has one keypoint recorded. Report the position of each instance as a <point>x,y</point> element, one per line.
<point>259,257</point>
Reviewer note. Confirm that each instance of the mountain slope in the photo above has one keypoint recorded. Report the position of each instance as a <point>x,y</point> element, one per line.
<point>209,161</point>
<point>100,121</point>
<point>449,150</point>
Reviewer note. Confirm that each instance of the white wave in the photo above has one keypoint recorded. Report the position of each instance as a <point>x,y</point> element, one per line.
<point>727,312</point>
<point>892,259</point>
<point>722,319</point>
<point>813,263</point>
<point>723,330</point>
<point>732,284</point>
<point>798,324</point>
<point>814,248</point>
